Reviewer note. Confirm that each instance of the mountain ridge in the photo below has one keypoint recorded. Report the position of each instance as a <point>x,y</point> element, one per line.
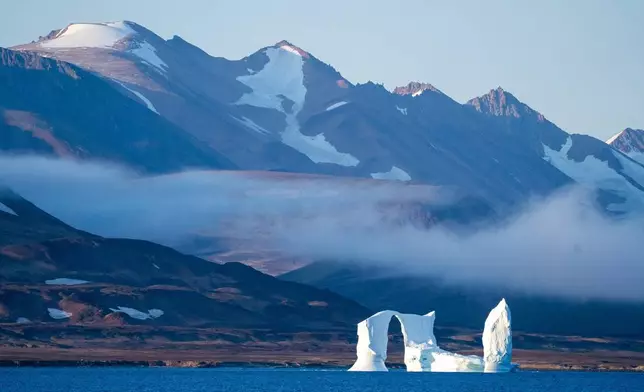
<point>630,141</point>
<point>292,112</point>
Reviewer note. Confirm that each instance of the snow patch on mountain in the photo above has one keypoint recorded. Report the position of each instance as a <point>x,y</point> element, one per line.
<point>614,137</point>
<point>6,209</point>
<point>65,282</point>
<point>58,314</point>
<point>596,173</point>
<point>283,76</point>
<point>336,105</point>
<point>90,35</point>
<point>148,54</point>
<point>155,313</point>
<point>140,96</point>
<point>395,173</point>
<point>248,123</point>
<point>291,49</point>
<point>317,148</point>
<point>137,314</point>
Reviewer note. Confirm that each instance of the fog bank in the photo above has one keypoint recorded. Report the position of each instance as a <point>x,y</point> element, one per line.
<point>560,245</point>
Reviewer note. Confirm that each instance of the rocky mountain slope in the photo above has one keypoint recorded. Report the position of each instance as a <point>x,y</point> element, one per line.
<point>588,161</point>
<point>51,107</point>
<point>52,273</point>
<point>631,142</point>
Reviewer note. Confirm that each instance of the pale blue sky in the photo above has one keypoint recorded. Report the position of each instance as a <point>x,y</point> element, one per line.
<point>579,62</point>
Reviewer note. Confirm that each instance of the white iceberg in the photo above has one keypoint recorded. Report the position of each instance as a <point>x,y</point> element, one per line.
<point>421,349</point>
<point>497,339</point>
<point>418,333</point>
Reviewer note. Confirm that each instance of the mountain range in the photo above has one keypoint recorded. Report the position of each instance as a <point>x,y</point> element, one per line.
<point>117,92</point>
<point>283,109</point>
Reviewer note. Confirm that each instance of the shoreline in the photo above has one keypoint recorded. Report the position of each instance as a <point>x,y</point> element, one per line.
<point>191,364</point>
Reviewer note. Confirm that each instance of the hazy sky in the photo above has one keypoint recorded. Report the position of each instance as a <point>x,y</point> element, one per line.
<point>579,62</point>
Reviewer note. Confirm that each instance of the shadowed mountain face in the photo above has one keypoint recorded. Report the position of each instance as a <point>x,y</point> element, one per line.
<point>461,306</point>
<point>52,273</point>
<point>55,108</point>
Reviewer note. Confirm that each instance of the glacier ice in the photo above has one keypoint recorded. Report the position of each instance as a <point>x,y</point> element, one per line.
<point>421,349</point>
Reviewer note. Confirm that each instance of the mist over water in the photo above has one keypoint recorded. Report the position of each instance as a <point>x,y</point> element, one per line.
<point>560,245</point>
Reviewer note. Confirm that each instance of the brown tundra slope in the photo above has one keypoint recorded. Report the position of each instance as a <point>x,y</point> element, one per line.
<point>52,274</point>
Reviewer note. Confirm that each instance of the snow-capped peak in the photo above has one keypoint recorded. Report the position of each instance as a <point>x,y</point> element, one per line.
<point>91,35</point>
<point>289,47</point>
<point>628,140</point>
<point>415,89</point>
<point>631,142</point>
<point>616,136</point>
<point>124,36</point>
<point>498,102</point>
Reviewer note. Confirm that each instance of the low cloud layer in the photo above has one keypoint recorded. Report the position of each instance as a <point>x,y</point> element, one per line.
<point>557,246</point>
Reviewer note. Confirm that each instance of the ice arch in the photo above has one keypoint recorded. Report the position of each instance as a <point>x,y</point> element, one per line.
<point>421,350</point>
<point>418,331</point>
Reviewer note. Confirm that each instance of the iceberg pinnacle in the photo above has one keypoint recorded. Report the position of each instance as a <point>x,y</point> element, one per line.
<point>371,349</point>
<point>497,339</point>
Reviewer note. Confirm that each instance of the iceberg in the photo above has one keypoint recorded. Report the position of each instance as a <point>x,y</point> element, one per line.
<point>422,353</point>
<point>371,349</point>
<point>497,339</point>
<point>418,334</point>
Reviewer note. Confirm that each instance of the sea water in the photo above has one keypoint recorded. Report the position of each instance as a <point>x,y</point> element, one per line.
<point>310,380</point>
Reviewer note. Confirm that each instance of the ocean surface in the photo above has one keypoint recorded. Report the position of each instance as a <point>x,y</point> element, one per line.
<point>286,380</point>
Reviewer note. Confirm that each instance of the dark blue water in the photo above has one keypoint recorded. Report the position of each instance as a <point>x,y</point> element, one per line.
<point>253,380</point>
